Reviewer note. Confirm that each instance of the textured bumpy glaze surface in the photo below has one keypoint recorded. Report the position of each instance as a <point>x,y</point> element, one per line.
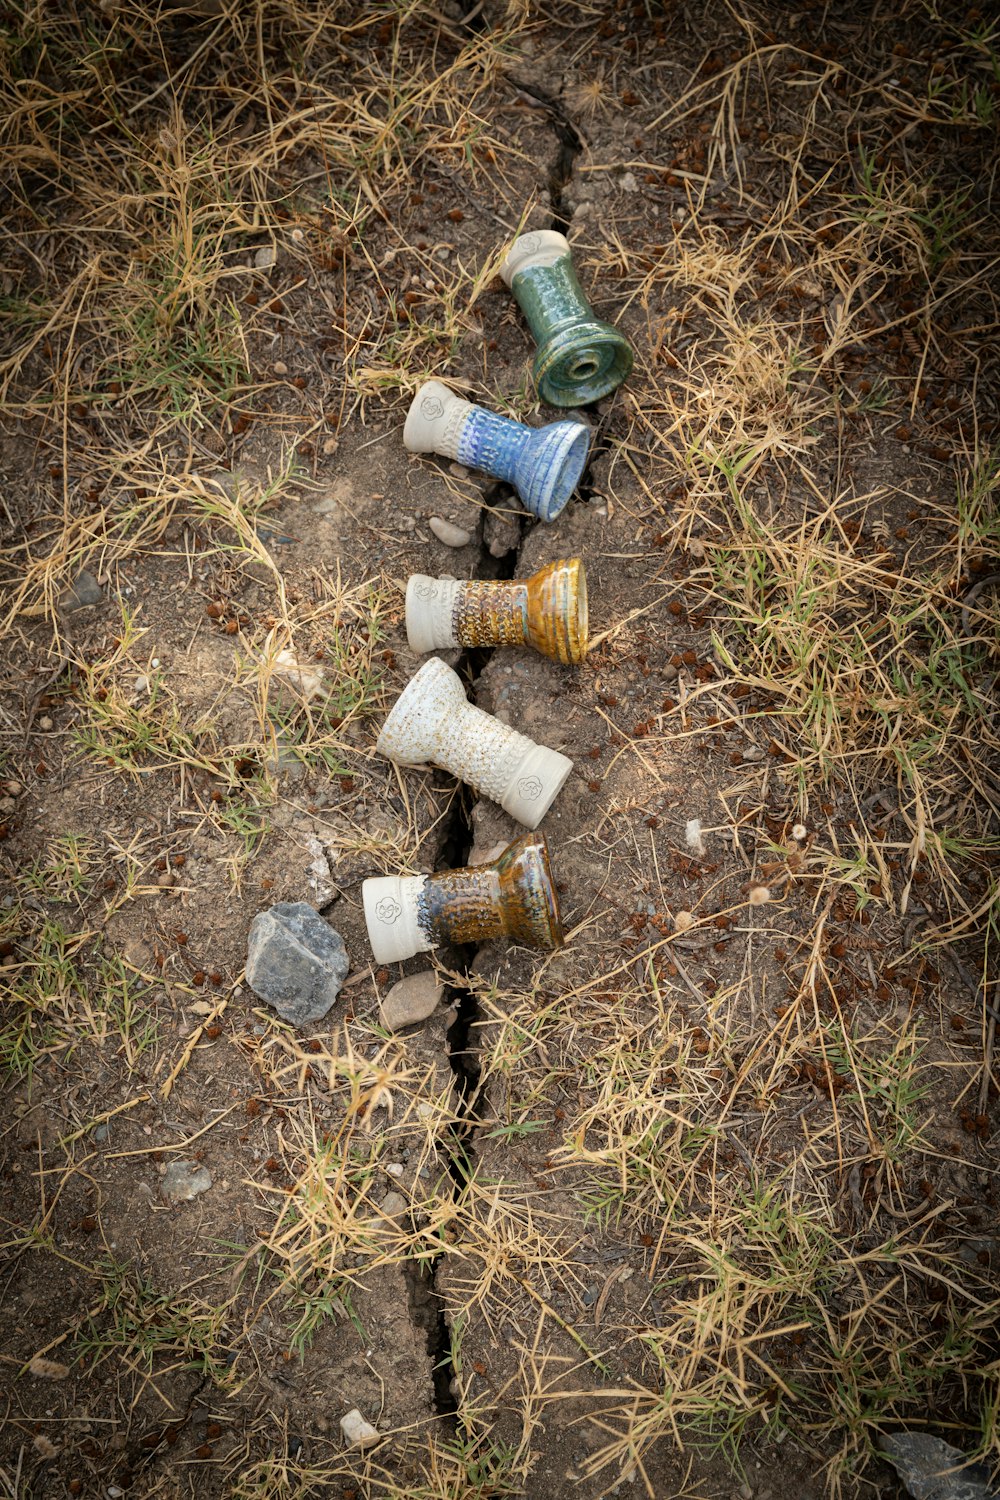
<point>579,358</point>
<point>433,723</point>
<point>514,897</point>
<point>544,464</point>
<point>548,612</point>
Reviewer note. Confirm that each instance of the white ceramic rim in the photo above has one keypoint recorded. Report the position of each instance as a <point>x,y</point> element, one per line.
<point>539,247</point>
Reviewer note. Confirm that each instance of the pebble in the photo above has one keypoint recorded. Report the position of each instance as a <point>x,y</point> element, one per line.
<point>84,591</point>
<point>305,678</point>
<point>321,887</point>
<point>928,1466</point>
<point>452,536</point>
<point>184,1180</point>
<point>754,754</point>
<point>357,1432</point>
<point>265,257</point>
<point>165,881</point>
<point>480,856</point>
<point>279,367</point>
<point>392,1205</point>
<point>395,1169</point>
<point>44,724</point>
<point>459,471</point>
<point>410,1000</point>
<point>628,183</point>
<point>296,962</point>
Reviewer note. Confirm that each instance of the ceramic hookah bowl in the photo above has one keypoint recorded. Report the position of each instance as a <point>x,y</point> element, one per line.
<point>433,723</point>
<point>543,464</point>
<point>513,897</point>
<point>579,358</point>
<point>547,611</point>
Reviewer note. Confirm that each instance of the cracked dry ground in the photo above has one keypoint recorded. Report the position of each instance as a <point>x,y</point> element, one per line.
<point>713,1180</point>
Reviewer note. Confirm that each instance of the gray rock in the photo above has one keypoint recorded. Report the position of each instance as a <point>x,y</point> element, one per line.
<point>295,961</point>
<point>392,1206</point>
<point>445,531</point>
<point>923,1463</point>
<point>410,1000</point>
<point>84,591</point>
<point>184,1180</point>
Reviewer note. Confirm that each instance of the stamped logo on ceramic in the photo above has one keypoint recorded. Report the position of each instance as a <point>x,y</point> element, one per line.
<point>529,787</point>
<point>432,407</point>
<point>388,910</point>
<point>530,243</point>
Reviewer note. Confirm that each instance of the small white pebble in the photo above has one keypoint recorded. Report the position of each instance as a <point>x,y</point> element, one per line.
<point>759,895</point>
<point>451,535</point>
<point>44,723</point>
<point>155,663</point>
<point>279,367</point>
<point>692,836</point>
<point>357,1432</point>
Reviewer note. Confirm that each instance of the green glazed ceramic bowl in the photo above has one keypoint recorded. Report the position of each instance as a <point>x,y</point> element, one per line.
<point>579,358</point>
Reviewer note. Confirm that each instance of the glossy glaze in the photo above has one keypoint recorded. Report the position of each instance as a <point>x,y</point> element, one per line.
<point>579,358</point>
<point>547,611</point>
<point>543,464</point>
<point>513,897</point>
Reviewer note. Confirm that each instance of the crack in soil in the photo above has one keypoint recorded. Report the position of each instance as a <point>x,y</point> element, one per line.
<point>427,1303</point>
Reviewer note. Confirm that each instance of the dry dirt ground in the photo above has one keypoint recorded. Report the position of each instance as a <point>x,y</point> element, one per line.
<point>706,1201</point>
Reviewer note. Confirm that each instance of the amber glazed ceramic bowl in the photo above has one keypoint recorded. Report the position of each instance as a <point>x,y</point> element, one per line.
<point>513,897</point>
<point>547,611</point>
